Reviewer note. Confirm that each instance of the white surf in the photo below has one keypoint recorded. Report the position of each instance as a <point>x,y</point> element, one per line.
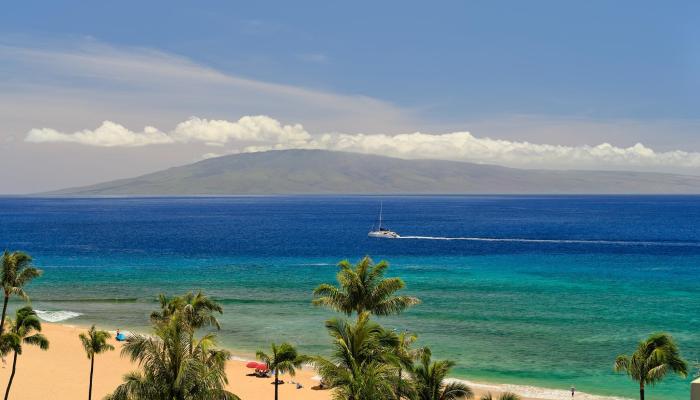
<point>56,316</point>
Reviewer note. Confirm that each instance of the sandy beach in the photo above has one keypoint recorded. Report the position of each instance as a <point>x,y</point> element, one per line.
<point>62,372</point>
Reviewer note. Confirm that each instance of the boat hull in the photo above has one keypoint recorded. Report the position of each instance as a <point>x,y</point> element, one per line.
<point>383,234</point>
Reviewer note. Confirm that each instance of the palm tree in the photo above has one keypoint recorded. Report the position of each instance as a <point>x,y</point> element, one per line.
<point>651,361</point>
<point>25,329</point>
<point>94,342</point>
<point>197,311</point>
<point>503,396</point>
<point>364,288</point>
<point>283,359</point>
<point>17,271</point>
<point>405,355</point>
<point>362,364</point>
<point>174,367</point>
<point>429,378</point>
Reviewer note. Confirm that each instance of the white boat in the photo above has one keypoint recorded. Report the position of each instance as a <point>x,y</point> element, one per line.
<point>382,232</point>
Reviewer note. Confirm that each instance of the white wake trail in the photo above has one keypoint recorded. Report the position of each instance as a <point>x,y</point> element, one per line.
<point>560,241</point>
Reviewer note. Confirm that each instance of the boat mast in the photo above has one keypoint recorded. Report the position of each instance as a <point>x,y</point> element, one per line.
<point>381,205</point>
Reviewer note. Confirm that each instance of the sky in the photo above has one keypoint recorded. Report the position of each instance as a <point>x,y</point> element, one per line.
<point>94,91</point>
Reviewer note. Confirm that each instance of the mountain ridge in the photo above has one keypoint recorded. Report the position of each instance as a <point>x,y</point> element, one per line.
<point>290,172</point>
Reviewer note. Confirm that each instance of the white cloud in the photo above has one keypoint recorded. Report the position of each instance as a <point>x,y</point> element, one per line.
<point>255,129</point>
<point>258,128</point>
<point>259,133</point>
<point>109,134</point>
<point>463,146</point>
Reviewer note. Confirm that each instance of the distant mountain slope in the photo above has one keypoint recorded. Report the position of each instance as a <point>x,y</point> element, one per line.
<point>327,172</point>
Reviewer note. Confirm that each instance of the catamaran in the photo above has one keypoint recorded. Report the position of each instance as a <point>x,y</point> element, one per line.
<point>382,232</point>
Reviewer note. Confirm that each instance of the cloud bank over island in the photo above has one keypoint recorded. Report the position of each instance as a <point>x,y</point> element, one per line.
<point>260,133</point>
<point>258,128</point>
<point>98,111</point>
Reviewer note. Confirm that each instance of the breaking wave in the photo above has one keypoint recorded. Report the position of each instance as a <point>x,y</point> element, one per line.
<point>56,316</point>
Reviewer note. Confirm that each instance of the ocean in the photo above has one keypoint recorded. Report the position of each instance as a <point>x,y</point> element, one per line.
<point>536,291</point>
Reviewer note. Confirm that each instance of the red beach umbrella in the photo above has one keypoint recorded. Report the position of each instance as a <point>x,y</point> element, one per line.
<point>252,364</point>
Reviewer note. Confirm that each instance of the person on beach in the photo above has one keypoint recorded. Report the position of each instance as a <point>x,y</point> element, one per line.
<point>573,391</point>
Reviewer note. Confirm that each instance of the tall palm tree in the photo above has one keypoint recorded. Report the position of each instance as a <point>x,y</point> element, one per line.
<point>94,343</point>
<point>25,329</point>
<point>430,376</point>
<point>503,396</point>
<point>406,356</point>
<point>362,364</point>
<point>197,311</point>
<point>283,359</point>
<point>652,360</point>
<point>17,271</point>
<point>363,288</point>
<point>173,366</point>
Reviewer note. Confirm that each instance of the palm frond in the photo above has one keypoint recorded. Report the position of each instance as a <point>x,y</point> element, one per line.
<point>653,359</point>
<point>38,340</point>
<point>362,287</point>
<point>456,390</point>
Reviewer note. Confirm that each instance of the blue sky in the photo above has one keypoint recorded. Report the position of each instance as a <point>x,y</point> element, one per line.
<point>548,72</point>
<point>593,58</point>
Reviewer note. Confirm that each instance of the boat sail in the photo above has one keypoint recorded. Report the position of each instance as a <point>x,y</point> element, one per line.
<point>382,232</point>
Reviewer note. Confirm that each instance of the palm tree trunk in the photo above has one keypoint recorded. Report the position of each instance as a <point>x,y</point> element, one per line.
<point>12,375</point>
<point>277,383</point>
<point>92,368</point>
<point>398,386</point>
<point>4,311</point>
<point>641,391</point>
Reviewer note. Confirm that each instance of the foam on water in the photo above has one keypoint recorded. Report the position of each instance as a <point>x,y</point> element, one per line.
<point>535,392</point>
<point>56,316</point>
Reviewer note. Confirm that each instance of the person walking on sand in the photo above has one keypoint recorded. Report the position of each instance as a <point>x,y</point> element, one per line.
<point>573,392</point>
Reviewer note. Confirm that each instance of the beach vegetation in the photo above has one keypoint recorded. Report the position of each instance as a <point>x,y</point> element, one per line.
<point>431,383</point>
<point>502,396</point>
<point>17,271</point>
<point>652,360</point>
<point>362,364</point>
<point>196,311</point>
<point>363,287</point>
<point>406,356</point>
<point>24,329</point>
<point>94,342</point>
<point>283,359</point>
<point>175,365</point>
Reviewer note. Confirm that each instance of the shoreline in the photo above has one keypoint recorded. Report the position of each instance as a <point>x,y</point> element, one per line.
<point>63,373</point>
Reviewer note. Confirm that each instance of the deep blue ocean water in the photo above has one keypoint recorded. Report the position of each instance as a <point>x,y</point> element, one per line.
<point>591,276</point>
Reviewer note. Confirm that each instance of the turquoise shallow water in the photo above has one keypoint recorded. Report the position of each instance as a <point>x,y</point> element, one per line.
<point>550,314</point>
